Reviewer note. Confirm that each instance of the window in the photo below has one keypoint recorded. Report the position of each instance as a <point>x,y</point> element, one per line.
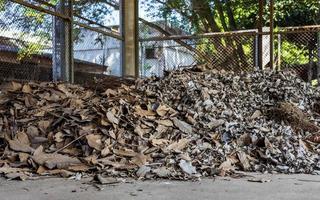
<point>151,53</point>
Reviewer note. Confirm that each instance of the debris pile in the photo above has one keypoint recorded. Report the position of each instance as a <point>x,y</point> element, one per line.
<point>186,125</point>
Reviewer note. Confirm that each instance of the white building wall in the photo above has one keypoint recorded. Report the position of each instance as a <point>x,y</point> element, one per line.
<point>171,57</point>
<point>106,53</point>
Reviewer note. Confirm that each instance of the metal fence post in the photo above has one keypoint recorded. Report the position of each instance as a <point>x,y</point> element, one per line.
<point>318,58</point>
<point>279,52</point>
<point>271,34</point>
<point>70,41</point>
<point>129,31</point>
<point>62,56</point>
<point>260,36</point>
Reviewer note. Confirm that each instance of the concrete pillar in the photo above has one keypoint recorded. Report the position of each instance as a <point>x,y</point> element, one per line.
<point>129,29</point>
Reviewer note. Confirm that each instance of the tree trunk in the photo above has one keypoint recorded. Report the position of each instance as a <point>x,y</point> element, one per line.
<point>221,14</point>
<point>232,23</point>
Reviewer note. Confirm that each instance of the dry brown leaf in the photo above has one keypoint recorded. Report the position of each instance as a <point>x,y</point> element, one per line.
<point>52,161</point>
<point>177,146</point>
<point>110,92</point>
<point>63,88</point>
<point>106,151</point>
<point>23,157</point>
<point>138,130</point>
<point>92,159</point>
<point>314,138</point>
<point>140,159</point>
<point>161,129</point>
<point>59,137</point>
<point>41,170</point>
<point>112,118</point>
<point>61,172</point>
<point>6,170</point>
<point>162,110</point>
<point>104,122</point>
<point>256,115</point>
<point>88,94</point>
<point>244,161</point>
<point>143,113</point>
<point>26,89</point>
<point>162,172</point>
<point>21,143</point>
<point>22,176</point>
<point>77,103</point>
<point>78,168</point>
<point>191,120</point>
<point>166,122</point>
<point>72,151</point>
<point>226,167</point>
<point>245,140</point>
<point>141,132</point>
<point>44,125</point>
<point>14,86</point>
<point>117,165</point>
<point>32,131</point>
<point>124,152</point>
<point>159,142</point>
<point>94,141</point>
<point>40,113</point>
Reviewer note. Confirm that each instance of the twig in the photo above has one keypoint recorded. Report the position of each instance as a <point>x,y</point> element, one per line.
<point>73,141</point>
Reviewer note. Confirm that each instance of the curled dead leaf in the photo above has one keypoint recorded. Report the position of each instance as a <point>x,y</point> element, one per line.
<point>94,141</point>
<point>177,146</point>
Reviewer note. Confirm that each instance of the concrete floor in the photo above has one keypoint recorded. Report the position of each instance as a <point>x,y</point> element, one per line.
<point>293,187</point>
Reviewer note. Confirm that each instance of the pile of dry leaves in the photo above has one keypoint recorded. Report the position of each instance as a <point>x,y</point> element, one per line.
<point>186,125</point>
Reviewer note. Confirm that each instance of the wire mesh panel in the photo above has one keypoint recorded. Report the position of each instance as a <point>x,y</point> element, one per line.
<point>234,52</point>
<point>96,53</point>
<point>297,46</point>
<point>156,57</point>
<point>31,41</point>
<point>25,43</point>
<point>161,19</point>
<point>299,51</point>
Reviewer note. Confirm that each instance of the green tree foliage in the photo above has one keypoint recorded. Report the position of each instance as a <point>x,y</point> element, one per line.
<point>200,16</point>
<point>297,13</point>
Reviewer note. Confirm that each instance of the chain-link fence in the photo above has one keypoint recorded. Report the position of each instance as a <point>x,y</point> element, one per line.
<point>298,50</point>
<point>295,49</point>
<point>32,34</point>
<point>25,43</point>
<point>230,35</point>
<point>193,33</point>
<point>232,52</point>
<point>96,53</point>
<point>223,35</point>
